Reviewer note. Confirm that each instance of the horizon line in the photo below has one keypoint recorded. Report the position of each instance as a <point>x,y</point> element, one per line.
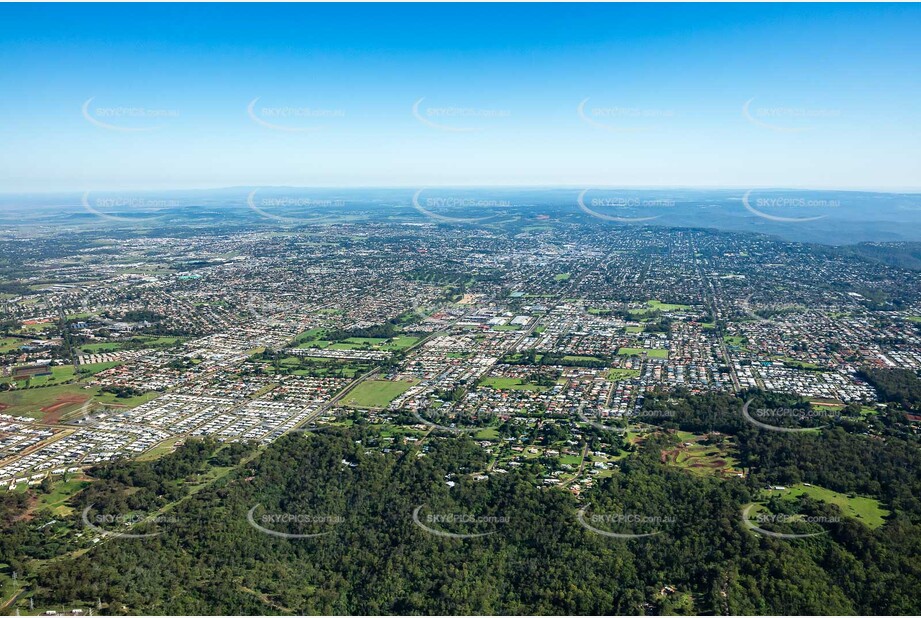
<point>417,187</point>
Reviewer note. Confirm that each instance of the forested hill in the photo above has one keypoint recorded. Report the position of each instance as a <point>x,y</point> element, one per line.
<point>901,255</point>
<point>534,556</point>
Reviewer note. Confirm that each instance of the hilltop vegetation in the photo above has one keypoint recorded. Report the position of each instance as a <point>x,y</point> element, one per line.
<point>537,558</point>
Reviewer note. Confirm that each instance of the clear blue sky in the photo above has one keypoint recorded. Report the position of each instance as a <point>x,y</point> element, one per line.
<point>834,95</point>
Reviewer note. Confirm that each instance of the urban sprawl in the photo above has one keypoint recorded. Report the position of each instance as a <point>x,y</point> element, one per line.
<point>129,347</point>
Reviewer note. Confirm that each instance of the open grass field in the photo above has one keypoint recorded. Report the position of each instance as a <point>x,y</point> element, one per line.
<point>321,344</point>
<point>42,403</point>
<point>572,460</point>
<point>400,343</point>
<point>562,277</point>
<point>796,364</point>
<point>59,375</point>
<point>164,448</point>
<point>490,433</point>
<point>100,348</point>
<point>320,367</point>
<point>156,341</point>
<point>651,353</point>
<point>310,335</point>
<point>80,315</point>
<point>634,329</point>
<point>867,510</point>
<point>511,384</point>
<point>376,393</point>
<point>35,328</point>
<point>92,368</point>
<point>314,339</point>
<point>616,375</point>
<point>660,306</point>
<point>655,305</point>
<point>8,344</point>
<point>61,492</point>
<point>128,402</point>
<point>570,357</point>
<point>357,343</point>
<point>389,430</point>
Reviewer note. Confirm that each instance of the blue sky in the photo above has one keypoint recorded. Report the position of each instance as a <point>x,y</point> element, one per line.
<point>146,97</point>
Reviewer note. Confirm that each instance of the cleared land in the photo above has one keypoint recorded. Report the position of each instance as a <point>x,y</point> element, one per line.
<point>703,455</point>
<point>867,510</point>
<point>45,402</point>
<point>8,344</point>
<point>616,375</point>
<point>376,393</point>
<point>650,352</point>
<point>61,492</point>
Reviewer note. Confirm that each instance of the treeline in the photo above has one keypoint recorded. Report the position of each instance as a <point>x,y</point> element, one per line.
<point>901,386</point>
<point>387,330</point>
<point>122,391</point>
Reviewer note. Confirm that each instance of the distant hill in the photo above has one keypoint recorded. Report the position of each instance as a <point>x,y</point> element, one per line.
<point>902,255</point>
